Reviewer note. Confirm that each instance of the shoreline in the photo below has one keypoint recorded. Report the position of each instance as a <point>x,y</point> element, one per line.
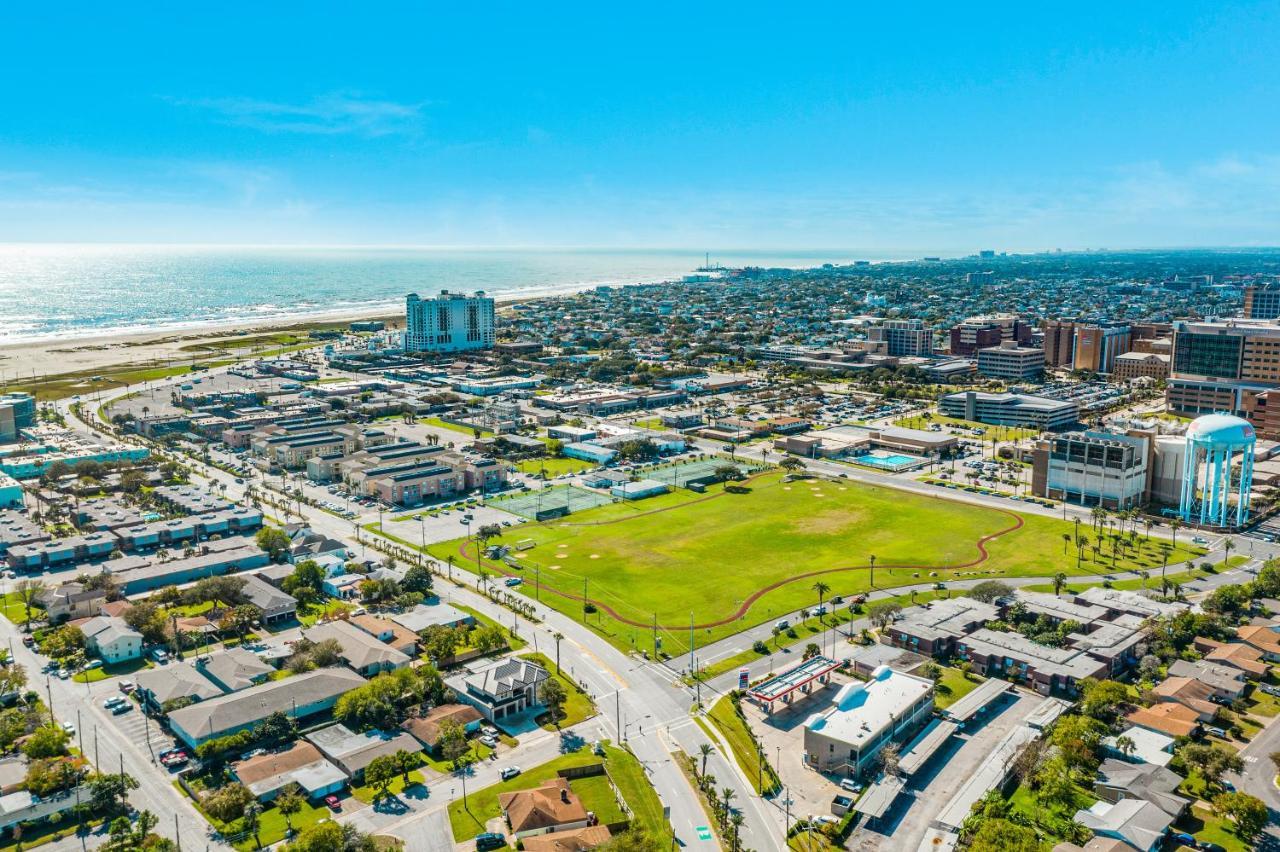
<point>23,361</point>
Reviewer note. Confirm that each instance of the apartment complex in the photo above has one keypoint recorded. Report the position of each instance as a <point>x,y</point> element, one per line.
<point>450,322</point>
<point>1010,409</point>
<point>980,332</point>
<point>1011,362</point>
<point>1140,365</point>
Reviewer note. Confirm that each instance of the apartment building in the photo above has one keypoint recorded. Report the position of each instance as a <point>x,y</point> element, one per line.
<point>449,322</point>
<point>1011,362</point>
<point>1097,346</point>
<point>1059,342</point>
<point>17,412</point>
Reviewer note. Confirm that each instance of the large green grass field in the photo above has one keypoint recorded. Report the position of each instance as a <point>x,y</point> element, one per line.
<point>737,559</point>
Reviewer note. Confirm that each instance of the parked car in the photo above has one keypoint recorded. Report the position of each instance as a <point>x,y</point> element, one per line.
<point>509,772</point>
<point>491,742</point>
<point>113,701</point>
<point>28,641</point>
<point>334,803</point>
<point>121,709</point>
<point>1217,732</point>
<point>127,686</point>
<point>850,785</point>
<point>489,840</point>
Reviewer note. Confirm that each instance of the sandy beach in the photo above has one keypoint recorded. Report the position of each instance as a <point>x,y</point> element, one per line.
<point>37,358</point>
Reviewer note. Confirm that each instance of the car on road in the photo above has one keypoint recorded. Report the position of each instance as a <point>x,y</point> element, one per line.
<point>512,581</point>
<point>1199,540</point>
<point>334,803</point>
<point>509,772</point>
<point>28,641</point>
<point>70,728</point>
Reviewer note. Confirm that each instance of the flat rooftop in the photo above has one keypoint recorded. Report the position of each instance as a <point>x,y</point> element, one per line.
<point>789,681</point>
<point>977,700</point>
<point>862,710</point>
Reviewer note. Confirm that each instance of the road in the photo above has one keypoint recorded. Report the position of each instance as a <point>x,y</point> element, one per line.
<point>1258,779</point>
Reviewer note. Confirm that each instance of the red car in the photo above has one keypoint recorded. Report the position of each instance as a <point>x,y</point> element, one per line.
<point>334,803</point>
<point>28,641</point>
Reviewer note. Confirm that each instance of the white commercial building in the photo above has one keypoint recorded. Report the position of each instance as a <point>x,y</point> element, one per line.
<point>450,322</point>
<point>865,718</point>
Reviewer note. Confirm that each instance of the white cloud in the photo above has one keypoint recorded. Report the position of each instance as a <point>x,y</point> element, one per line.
<point>335,113</point>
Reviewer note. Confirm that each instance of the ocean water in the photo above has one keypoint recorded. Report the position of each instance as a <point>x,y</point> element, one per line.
<point>56,291</point>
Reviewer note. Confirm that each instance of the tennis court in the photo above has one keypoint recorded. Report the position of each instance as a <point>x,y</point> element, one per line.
<point>698,470</point>
<point>551,502</point>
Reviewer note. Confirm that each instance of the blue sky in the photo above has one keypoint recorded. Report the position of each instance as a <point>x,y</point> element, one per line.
<point>843,125</point>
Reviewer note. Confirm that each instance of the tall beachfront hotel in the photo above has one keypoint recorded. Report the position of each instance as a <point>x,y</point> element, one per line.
<point>450,322</point>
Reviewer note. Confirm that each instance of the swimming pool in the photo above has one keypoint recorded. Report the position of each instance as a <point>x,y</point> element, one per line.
<point>889,461</point>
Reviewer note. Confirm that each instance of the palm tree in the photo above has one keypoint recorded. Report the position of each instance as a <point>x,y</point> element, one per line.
<point>705,751</point>
<point>1144,575</point>
<point>557,636</point>
<point>1059,580</point>
<point>821,588</point>
<point>1125,746</point>
<point>726,796</point>
<point>289,803</point>
<point>27,592</point>
<point>1175,525</point>
<point>1066,539</point>
<point>1228,545</point>
<point>737,819</point>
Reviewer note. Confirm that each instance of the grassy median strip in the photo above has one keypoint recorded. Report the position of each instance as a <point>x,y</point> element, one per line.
<point>732,727</point>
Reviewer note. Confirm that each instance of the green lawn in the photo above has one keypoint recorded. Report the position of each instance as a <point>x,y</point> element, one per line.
<point>953,686</point>
<point>452,427</point>
<point>479,751</point>
<point>467,819</point>
<point>271,824</point>
<point>719,549</point>
<point>1204,825</point>
<point>314,613</point>
<point>514,643</point>
<point>106,671</point>
<point>578,707</point>
<point>1263,704</point>
<point>14,610</point>
<point>1055,819</point>
<point>367,792</point>
<point>554,467</point>
<point>724,717</point>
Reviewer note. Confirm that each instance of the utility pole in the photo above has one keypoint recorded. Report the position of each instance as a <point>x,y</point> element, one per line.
<point>537,583</point>
<point>617,709</point>
<point>584,600</point>
<point>655,636</point>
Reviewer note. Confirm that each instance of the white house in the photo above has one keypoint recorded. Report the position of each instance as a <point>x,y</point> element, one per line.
<point>111,639</point>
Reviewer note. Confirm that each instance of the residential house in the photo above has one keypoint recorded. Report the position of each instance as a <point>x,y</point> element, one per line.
<point>1166,718</point>
<point>1226,682</point>
<point>72,600</point>
<point>1148,746</point>
<point>1237,655</point>
<point>423,616</point>
<point>1191,694</point>
<point>302,764</point>
<point>426,729</point>
<point>367,654</point>
<point>344,587</point>
<point>501,688</point>
<point>1118,780</point>
<point>276,605</point>
<point>549,807</point>
<point>572,840</point>
<point>1263,639</point>
<point>387,631</point>
<point>1137,822</point>
<point>111,639</point>
<point>352,752</point>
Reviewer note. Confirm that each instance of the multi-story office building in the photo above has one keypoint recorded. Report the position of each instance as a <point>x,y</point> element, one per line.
<point>901,337</point>
<point>1011,362</point>
<point>1226,366</point>
<point>1096,346</point>
<point>1059,342</point>
<point>1262,301</point>
<point>17,412</point>
<point>1092,468</point>
<point>982,331</point>
<point>1010,409</point>
<point>450,322</point>
<point>1135,365</point>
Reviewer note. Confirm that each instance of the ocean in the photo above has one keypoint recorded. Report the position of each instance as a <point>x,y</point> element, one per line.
<point>67,291</point>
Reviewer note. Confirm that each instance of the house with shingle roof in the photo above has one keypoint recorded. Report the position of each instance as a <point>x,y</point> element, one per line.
<point>550,807</point>
<point>365,653</point>
<point>426,729</point>
<point>1263,639</point>
<point>111,639</point>
<point>501,688</point>
<point>1189,693</point>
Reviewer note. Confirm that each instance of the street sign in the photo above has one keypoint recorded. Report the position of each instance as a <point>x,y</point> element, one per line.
<point>744,678</point>
<point>704,833</point>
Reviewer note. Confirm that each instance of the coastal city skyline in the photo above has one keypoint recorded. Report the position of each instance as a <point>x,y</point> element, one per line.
<point>596,428</point>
